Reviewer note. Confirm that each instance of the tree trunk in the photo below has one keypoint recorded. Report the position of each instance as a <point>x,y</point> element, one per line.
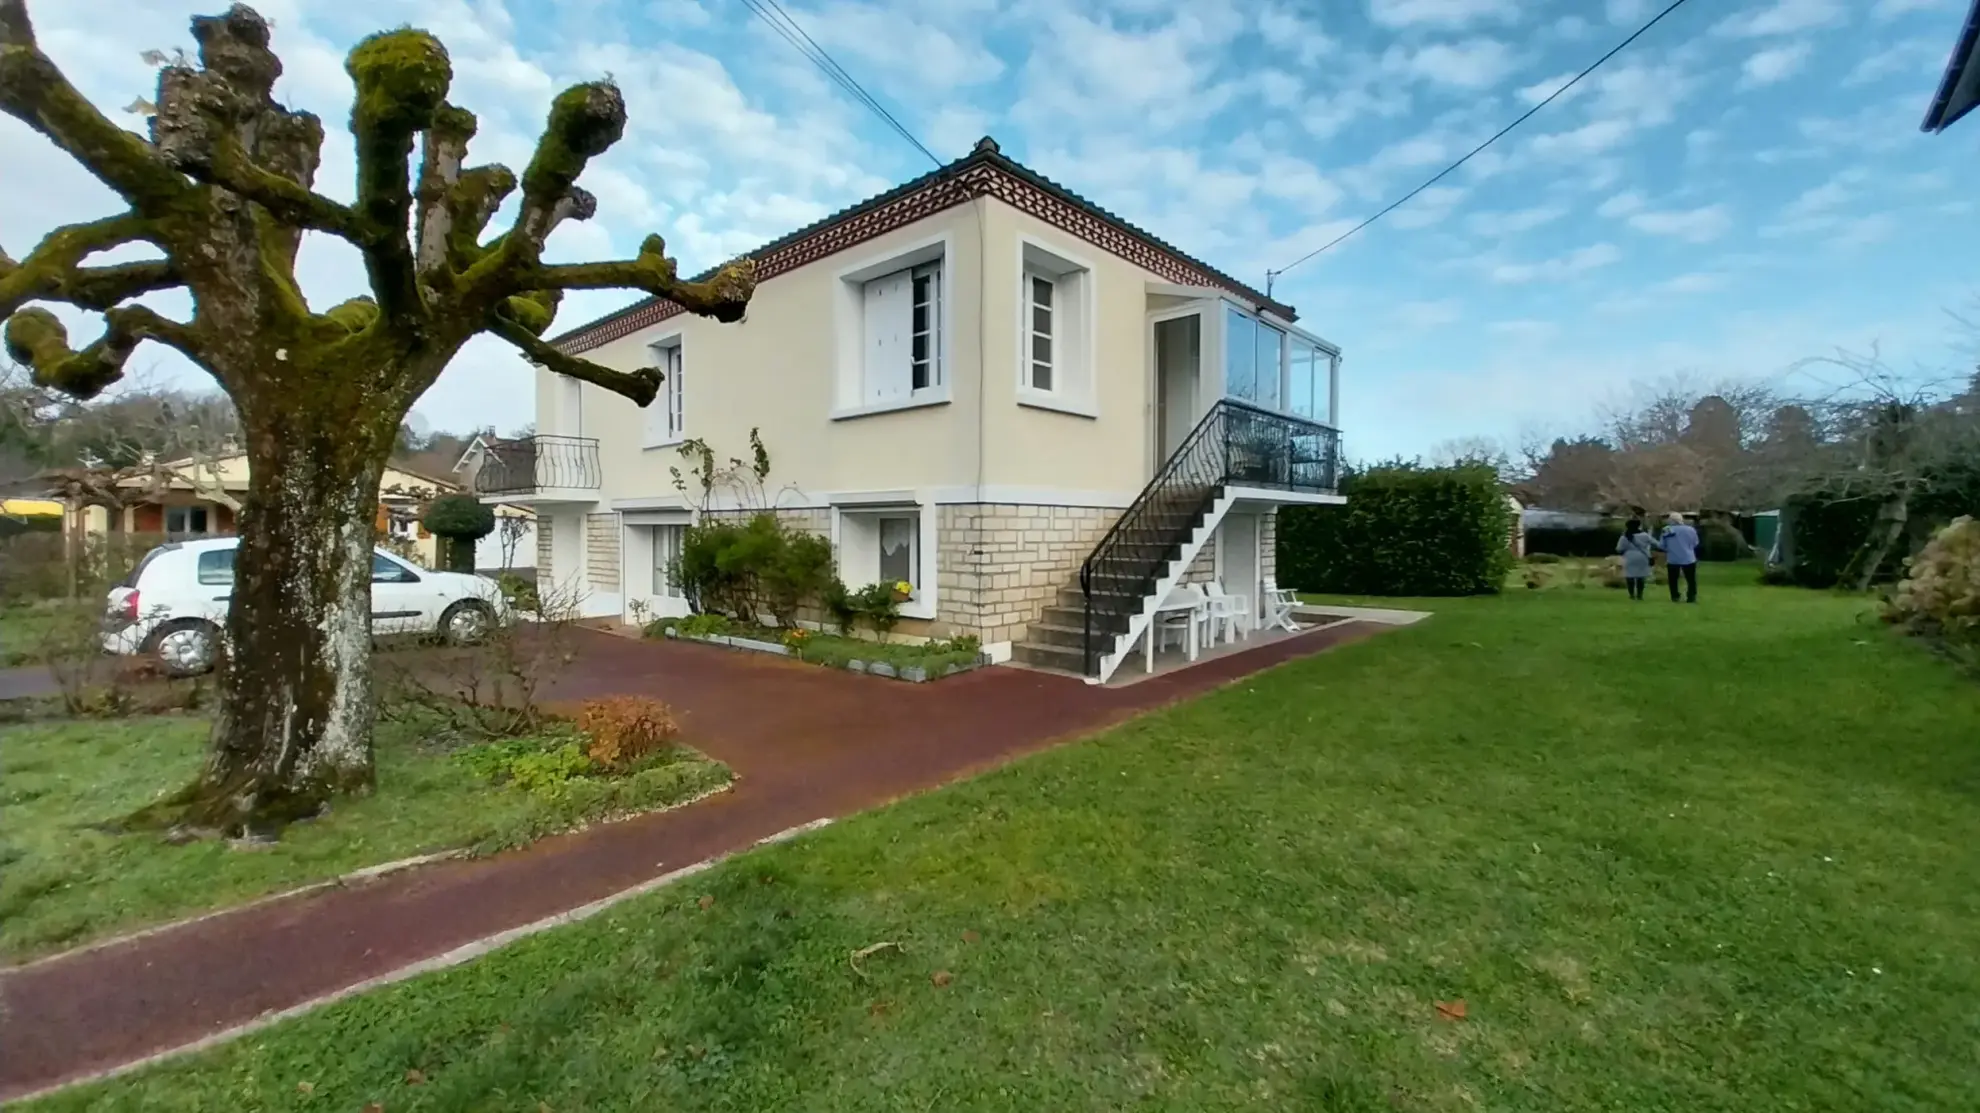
<point>296,711</point>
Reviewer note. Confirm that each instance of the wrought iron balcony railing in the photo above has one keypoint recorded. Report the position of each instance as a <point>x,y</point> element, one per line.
<point>526,465</point>
<point>1236,444</point>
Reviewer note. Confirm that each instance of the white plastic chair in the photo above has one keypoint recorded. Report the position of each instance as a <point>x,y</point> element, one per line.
<point>1228,612</point>
<point>1279,604</point>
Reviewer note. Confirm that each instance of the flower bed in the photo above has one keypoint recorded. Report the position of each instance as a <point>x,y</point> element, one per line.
<point>915,663</point>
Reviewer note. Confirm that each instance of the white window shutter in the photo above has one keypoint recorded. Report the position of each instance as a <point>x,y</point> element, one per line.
<point>889,320</point>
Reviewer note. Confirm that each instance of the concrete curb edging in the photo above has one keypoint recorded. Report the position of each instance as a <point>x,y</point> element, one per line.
<point>915,674</point>
<point>460,955</point>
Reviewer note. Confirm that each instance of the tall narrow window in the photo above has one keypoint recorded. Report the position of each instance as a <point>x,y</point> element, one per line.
<point>666,417</point>
<point>925,359</point>
<point>1043,296</point>
<point>676,393</point>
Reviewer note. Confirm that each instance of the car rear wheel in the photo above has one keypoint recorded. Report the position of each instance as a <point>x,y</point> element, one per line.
<point>184,648</point>
<point>466,622</point>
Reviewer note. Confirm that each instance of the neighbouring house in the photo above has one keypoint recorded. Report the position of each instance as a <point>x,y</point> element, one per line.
<point>1038,415</point>
<point>1959,89</point>
<point>201,497</point>
<point>513,544</point>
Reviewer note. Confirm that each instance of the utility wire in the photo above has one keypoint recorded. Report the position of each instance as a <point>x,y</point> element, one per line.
<point>782,23</point>
<point>1500,134</point>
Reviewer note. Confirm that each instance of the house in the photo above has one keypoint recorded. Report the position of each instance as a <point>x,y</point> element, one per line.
<point>513,543</point>
<point>201,497</point>
<point>1038,415</point>
<point>1959,90</point>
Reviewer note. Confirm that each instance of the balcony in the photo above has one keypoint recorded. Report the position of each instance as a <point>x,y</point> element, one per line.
<point>541,468</point>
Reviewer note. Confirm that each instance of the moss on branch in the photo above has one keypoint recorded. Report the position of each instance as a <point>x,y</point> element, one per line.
<point>641,386</point>
<point>52,271</point>
<point>402,79</point>
<point>35,337</point>
<point>724,296</point>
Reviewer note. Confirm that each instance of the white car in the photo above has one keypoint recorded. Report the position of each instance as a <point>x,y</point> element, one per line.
<point>173,606</point>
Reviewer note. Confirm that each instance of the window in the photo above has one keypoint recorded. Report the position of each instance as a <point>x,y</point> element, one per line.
<point>403,525</point>
<point>216,566</point>
<point>1042,291</point>
<point>899,541</point>
<point>385,570</point>
<point>903,333</point>
<point>666,556</point>
<point>1309,381</point>
<point>666,416</point>
<point>1240,356</point>
<point>1271,343</point>
<point>185,519</point>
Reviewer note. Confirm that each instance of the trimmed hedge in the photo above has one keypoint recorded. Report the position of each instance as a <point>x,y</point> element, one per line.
<point>1405,530</point>
<point>1720,541</point>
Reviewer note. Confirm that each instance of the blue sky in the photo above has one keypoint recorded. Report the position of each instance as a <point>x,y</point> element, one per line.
<point>1743,188</point>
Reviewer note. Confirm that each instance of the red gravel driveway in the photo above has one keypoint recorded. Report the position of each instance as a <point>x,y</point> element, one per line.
<point>807,742</point>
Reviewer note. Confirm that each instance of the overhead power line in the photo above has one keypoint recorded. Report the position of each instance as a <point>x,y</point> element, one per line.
<point>1405,199</point>
<point>780,21</point>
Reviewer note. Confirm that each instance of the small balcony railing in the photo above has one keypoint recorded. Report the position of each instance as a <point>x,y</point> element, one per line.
<point>527,465</point>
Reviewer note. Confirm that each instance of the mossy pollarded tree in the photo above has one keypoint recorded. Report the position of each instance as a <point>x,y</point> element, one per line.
<point>223,190</point>
<point>460,521</point>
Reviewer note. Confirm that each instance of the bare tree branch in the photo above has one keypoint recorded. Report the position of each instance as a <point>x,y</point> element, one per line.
<point>723,297</point>
<point>33,90</point>
<point>52,272</point>
<point>402,79</point>
<point>640,385</point>
<point>36,338</point>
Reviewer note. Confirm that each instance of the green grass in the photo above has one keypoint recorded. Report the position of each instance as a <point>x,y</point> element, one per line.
<point>1723,857</point>
<point>63,883</point>
<point>26,630</point>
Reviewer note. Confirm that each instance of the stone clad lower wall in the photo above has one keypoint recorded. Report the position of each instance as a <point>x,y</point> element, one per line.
<point>601,551</point>
<point>546,576</point>
<point>1000,564</point>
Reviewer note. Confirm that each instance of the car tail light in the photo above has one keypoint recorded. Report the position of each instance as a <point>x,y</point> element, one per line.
<point>131,606</point>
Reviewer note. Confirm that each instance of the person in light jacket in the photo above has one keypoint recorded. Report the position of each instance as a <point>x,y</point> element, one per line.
<point>1635,545</point>
<point>1680,544</point>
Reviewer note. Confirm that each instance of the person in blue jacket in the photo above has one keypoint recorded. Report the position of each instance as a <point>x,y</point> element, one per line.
<point>1679,541</point>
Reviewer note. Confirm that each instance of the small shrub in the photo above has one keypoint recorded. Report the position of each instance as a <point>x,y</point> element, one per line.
<point>840,606</point>
<point>533,765</point>
<point>1940,593</point>
<point>696,625</point>
<point>1612,573</point>
<point>520,593</point>
<point>796,571</point>
<point>460,521</point>
<point>1718,541</point>
<point>625,730</point>
<point>795,637</point>
<point>1777,575</point>
<point>877,605</point>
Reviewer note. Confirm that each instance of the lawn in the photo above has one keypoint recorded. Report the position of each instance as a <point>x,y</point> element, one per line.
<point>27,630</point>
<point>1722,857</point>
<point>63,882</point>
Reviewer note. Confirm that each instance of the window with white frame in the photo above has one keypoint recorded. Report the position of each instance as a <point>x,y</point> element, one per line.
<point>1043,293</point>
<point>666,416</point>
<point>1055,358</point>
<point>884,544</point>
<point>180,520</point>
<point>902,318</point>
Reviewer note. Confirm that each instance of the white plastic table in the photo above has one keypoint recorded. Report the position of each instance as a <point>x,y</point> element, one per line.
<point>1186,598</point>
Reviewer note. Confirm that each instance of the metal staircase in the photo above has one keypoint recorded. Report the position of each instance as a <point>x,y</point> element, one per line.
<point>1096,622</point>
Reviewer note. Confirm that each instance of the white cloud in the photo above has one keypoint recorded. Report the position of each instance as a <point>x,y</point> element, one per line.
<point>1514,222</point>
<point>1892,9</point>
<point>1921,60</point>
<point>1439,13</point>
<point>1426,314</point>
<point>1560,268</point>
<point>1773,64</point>
<point>1541,90</point>
<point>1429,207</point>
<point>1784,17</point>
<point>1695,282</point>
<point>1524,330</point>
<point>1622,204</point>
<point>1592,138</point>
<point>1700,225</point>
<point>915,53</point>
<point>1628,11</point>
<point>1469,64</point>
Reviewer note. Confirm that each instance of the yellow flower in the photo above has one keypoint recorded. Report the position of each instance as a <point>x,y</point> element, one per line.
<point>904,587</point>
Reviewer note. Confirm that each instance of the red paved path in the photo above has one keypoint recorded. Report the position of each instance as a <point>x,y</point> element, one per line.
<point>808,742</point>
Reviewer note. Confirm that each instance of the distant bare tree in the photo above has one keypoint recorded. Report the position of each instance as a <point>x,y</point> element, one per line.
<point>1657,479</point>
<point>1488,451</point>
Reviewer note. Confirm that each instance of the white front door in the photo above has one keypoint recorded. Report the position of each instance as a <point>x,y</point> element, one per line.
<point>1178,378</point>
